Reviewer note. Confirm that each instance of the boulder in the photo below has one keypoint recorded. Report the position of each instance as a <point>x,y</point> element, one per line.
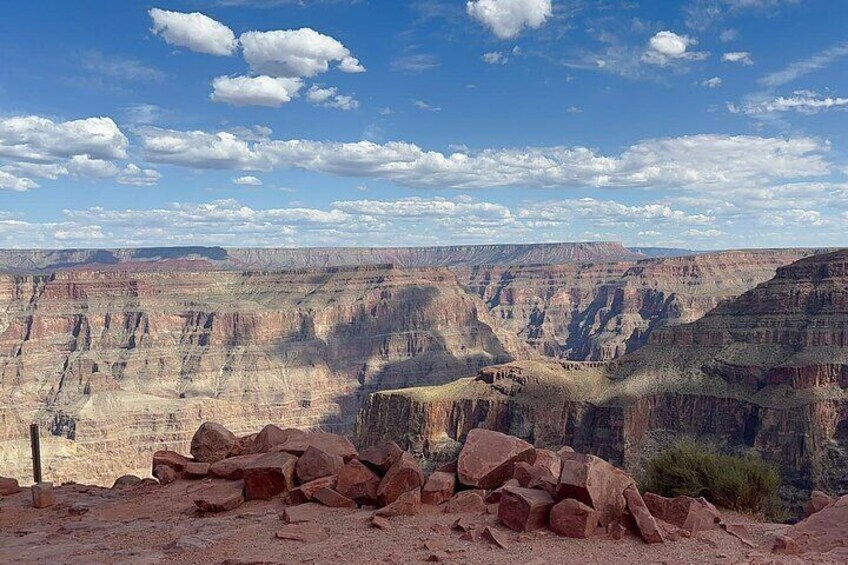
<point>573,519</point>
<point>524,510</point>
<point>232,468</point>
<point>325,441</point>
<point>271,436</point>
<point>594,482</point>
<point>466,501</point>
<point>549,462</point>
<point>825,530</point>
<point>407,504</point>
<point>439,488</point>
<point>196,470</point>
<point>270,475</point>
<point>306,492</point>
<point>381,457</point>
<point>405,475</point>
<point>220,497</point>
<point>212,442</point>
<point>786,545</point>
<point>380,523</point>
<point>316,463</point>
<point>243,445</point>
<point>488,458</point>
<point>126,481</point>
<point>358,482</point>
<point>494,496</point>
<point>818,501</point>
<point>690,514</point>
<point>9,486</point>
<point>645,523</point>
<point>331,498</point>
<point>165,474</point>
<point>171,459</point>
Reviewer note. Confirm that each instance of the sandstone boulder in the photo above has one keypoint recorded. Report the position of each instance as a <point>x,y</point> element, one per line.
<point>212,442</point>
<point>494,496</point>
<point>439,488</point>
<point>488,458</point>
<point>594,482</point>
<point>818,501</point>
<point>220,497</point>
<point>271,436</point>
<point>243,445</point>
<point>824,531</point>
<point>549,462</point>
<point>196,470</point>
<point>381,457</point>
<point>316,463</point>
<point>232,468</point>
<point>358,482</point>
<point>645,523</point>
<point>690,514</point>
<point>126,481</point>
<point>407,504</point>
<point>325,441</point>
<point>306,492</point>
<point>571,518</point>
<point>405,475</point>
<point>466,501</point>
<point>165,474</point>
<point>9,486</point>
<point>171,459</point>
<point>270,475</point>
<point>329,497</point>
<point>524,510</point>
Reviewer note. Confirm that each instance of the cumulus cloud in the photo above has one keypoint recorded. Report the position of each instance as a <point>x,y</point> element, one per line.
<point>801,101</point>
<point>714,82</point>
<point>507,18</point>
<point>247,181</point>
<point>194,31</point>
<point>295,53</point>
<point>255,91</point>
<point>666,47</point>
<point>134,175</point>
<point>742,57</point>
<point>9,181</point>
<point>691,161</point>
<point>330,98</point>
<point>495,58</point>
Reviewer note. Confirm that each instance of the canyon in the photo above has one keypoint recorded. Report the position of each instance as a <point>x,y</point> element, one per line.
<point>123,353</point>
<point>764,372</point>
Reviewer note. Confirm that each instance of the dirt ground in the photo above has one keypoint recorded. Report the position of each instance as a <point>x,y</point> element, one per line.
<point>152,524</point>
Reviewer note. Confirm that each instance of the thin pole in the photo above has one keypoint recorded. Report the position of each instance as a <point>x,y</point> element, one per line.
<point>36,452</point>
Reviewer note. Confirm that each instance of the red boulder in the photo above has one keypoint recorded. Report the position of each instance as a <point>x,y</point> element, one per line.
<point>271,436</point>
<point>524,510</point>
<point>232,468</point>
<point>358,482</point>
<point>212,442</point>
<point>573,519</point>
<point>405,475</point>
<point>316,463</point>
<point>439,488</point>
<point>325,441</point>
<point>221,497</point>
<point>488,458</point>
<point>269,475</point>
<point>381,457</point>
<point>594,482</point>
<point>690,514</point>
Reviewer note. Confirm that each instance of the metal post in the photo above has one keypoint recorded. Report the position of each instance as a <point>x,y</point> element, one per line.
<point>36,453</point>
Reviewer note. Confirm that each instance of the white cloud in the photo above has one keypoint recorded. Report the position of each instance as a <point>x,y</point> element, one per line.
<point>666,47</point>
<point>697,161</point>
<point>415,63</point>
<point>495,58</point>
<point>295,53</point>
<point>801,101</point>
<point>330,98</point>
<point>507,18</point>
<point>9,181</point>
<point>742,57</point>
<point>247,181</point>
<point>134,175</point>
<point>805,66</point>
<point>255,91</point>
<point>728,35</point>
<point>420,104</point>
<point>714,82</point>
<point>41,140</point>
<point>193,31</point>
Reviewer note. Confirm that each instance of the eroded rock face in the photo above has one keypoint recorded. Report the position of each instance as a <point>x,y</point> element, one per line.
<point>782,349</point>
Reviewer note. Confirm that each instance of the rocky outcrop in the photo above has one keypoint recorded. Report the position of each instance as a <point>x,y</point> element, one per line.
<point>766,371</point>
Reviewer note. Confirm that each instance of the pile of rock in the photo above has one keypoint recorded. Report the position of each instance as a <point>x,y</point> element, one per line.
<point>575,495</point>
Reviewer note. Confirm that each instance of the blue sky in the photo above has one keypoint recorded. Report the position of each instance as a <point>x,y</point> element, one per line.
<point>701,123</point>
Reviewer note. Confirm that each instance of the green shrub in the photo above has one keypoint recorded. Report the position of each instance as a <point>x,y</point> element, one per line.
<point>745,484</point>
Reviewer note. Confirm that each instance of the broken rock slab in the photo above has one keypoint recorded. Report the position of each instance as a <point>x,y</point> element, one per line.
<point>571,518</point>
<point>645,523</point>
<point>220,497</point>
<point>524,510</point>
<point>405,475</point>
<point>270,475</point>
<point>488,458</point>
<point>212,442</point>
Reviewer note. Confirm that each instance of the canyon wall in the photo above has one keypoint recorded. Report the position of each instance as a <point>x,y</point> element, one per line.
<point>767,371</point>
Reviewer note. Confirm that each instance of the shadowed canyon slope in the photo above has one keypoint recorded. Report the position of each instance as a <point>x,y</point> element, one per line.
<point>132,360</point>
<point>768,370</point>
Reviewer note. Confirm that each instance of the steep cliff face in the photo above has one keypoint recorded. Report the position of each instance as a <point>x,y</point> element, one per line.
<point>600,311</point>
<point>768,371</point>
<point>124,363</point>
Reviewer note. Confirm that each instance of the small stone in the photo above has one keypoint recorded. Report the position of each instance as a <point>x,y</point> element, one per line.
<point>301,514</point>
<point>307,533</point>
<point>306,492</point>
<point>495,537</point>
<point>165,474</point>
<point>786,545</point>
<point>437,557</point>
<point>331,498</point>
<point>439,488</point>
<point>616,531</point>
<point>220,497</point>
<point>435,544</point>
<point>42,495</point>
<point>126,481</point>
<point>407,504</point>
<point>171,459</point>
<point>463,524</point>
<point>9,486</point>
<point>466,502</point>
<point>818,501</point>
<point>212,442</point>
<point>740,532</point>
<point>440,528</point>
<point>380,523</point>
<point>78,509</point>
